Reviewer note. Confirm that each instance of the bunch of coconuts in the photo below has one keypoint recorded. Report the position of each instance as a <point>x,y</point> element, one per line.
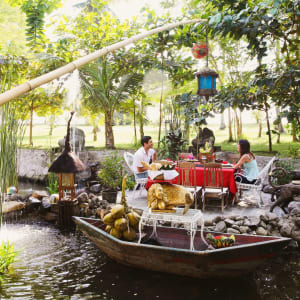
<point>122,222</point>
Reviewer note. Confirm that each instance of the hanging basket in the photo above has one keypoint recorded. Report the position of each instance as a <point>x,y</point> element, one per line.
<point>200,50</point>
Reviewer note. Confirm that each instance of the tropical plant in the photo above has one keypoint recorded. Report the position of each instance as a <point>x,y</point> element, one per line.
<point>52,183</point>
<point>172,144</point>
<point>111,172</point>
<point>105,86</point>
<point>7,256</point>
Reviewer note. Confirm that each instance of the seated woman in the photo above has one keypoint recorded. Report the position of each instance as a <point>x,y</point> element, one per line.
<point>250,171</point>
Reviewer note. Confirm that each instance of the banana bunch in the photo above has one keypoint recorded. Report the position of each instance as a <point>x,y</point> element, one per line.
<point>220,241</point>
<point>207,148</point>
<point>122,222</point>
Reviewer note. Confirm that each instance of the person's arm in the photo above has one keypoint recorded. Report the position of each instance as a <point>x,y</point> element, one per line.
<point>243,159</point>
<point>141,169</point>
<point>154,157</point>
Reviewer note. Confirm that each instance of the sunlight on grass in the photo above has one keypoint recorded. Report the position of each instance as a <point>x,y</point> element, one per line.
<point>124,138</point>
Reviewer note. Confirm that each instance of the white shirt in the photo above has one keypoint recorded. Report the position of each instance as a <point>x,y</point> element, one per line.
<point>141,155</point>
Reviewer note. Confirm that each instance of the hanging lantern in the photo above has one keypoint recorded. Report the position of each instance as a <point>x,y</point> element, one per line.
<point>207,82</point>
<point>199,50</point>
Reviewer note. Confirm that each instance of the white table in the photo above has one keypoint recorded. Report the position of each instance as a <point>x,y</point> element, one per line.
<point>189,220</point>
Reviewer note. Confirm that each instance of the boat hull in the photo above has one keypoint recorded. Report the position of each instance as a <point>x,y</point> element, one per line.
<point>224,262</point>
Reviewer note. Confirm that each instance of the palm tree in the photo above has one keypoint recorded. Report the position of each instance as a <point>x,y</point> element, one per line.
<point>105,86</point>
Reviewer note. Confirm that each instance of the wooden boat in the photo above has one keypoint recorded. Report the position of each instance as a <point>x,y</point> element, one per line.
<point>173,255</point>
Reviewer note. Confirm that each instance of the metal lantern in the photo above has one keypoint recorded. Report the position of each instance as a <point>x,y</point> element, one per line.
<point>206,82</point>
<point>66,165</point>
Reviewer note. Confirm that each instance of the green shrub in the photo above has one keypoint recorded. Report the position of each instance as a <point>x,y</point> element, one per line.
<point>52,183</point>
<point>111,172</point>
<point>7,256</point>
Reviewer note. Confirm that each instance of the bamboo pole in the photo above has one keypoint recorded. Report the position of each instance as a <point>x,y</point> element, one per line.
<point>38,81</point>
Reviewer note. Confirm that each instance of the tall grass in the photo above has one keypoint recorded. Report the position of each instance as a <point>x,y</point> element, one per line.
<point>11,131</point>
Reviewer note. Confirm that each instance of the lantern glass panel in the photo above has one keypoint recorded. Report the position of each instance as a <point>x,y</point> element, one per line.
<point>208,82</point>
<point>214,82</point>
<point>67,179</point>
<point>202,82</point>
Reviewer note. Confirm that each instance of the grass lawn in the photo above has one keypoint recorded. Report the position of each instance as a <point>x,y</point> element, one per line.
<point>124,138</point>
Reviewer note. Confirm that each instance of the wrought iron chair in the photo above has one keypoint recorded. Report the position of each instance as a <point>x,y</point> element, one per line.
<point>139,181</point>
<point>187,178</point>
<point>258,185</point>
<point>213,185</point>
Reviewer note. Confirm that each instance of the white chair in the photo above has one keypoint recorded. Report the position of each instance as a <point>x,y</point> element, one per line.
<point>139,181</point>
<point>258,185</point>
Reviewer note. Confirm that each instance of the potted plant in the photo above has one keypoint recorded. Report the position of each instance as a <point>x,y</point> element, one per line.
<point>111,174</point>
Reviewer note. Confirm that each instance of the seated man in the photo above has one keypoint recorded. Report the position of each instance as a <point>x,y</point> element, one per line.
<point>147,154</point>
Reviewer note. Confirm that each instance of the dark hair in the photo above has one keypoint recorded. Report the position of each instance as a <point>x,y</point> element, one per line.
<point>145,139</point>
<point>245,148</point>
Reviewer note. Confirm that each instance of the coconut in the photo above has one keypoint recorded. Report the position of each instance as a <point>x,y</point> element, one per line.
<point>116,233</point>
<point>133,218</point>
<point>121,224</point>
<point>108,228</point>
<point>117,211</point>
<point>108,219</point>
<point>129,235</point>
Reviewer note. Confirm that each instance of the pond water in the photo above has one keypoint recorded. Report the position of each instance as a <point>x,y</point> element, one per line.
<point>56,265</point>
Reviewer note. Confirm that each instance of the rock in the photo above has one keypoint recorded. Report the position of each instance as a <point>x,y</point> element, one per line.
<point>286,229</point>
<point>240,223</point>
<point>292,205</point>
<point>297,222</point>
<point>271,216</point>
<point>12,206</point>
<point>39,194</point>
<point>33,200</point>
<point>208,223</point>
<point>239,218</point>
<point>295,211</point>
<point>244,229</point>
<point>233,231</point>
<point>262,224</point>
<point>82,198</point>
<point>46,202</point>
<point>96,188</point>
<point>278,211</point>
<point>295,234</point>
<point>229,222</point>
<point>261,231</point>
<point>252,221</point>
<point>220,227</point>
<point>293,244</point>
<point>217,219</point>
<point>275,233</point>
<point>50,217</point>
<point>264,218</point>
<point>234,226</point>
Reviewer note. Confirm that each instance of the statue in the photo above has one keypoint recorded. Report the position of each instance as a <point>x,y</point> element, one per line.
<point>79,139</point>
<point>204,135</point>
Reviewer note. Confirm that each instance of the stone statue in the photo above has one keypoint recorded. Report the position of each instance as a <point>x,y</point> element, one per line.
<point>79,139</point>
<point>204,135</point>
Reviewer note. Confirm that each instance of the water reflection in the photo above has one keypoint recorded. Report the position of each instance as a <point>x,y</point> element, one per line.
<point>55,265</point>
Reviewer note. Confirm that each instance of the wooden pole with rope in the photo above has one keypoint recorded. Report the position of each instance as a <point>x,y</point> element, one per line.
<point>70,67</point>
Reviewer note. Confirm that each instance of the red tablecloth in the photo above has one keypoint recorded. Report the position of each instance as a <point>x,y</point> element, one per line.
<point>228,179</point>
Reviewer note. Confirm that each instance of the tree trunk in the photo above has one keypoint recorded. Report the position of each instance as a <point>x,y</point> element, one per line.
<point>294,135</point>
<point>230,138</point>
<point>237,123</point>
<point>30,126</point>
<point>51,124</point>
<point>269,127</point>
<point>222,124</point>
<point>241,123</point>
<point>141,119</point>
<point>95,133</point>
<point>259,128</point>
<point>109,134</point>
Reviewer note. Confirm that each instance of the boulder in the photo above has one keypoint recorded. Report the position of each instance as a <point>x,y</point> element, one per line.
<point>244,229</point>
<point>12,206</point>
<point>229,222</point>
<point>252,221</point>
<point>220,227</point>
<point>261,231</point>
<point>233,231</point>
<point>39,194</point>
<point>286,229</point>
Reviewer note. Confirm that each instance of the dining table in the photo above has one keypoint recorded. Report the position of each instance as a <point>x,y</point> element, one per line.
<point>227,171</point>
